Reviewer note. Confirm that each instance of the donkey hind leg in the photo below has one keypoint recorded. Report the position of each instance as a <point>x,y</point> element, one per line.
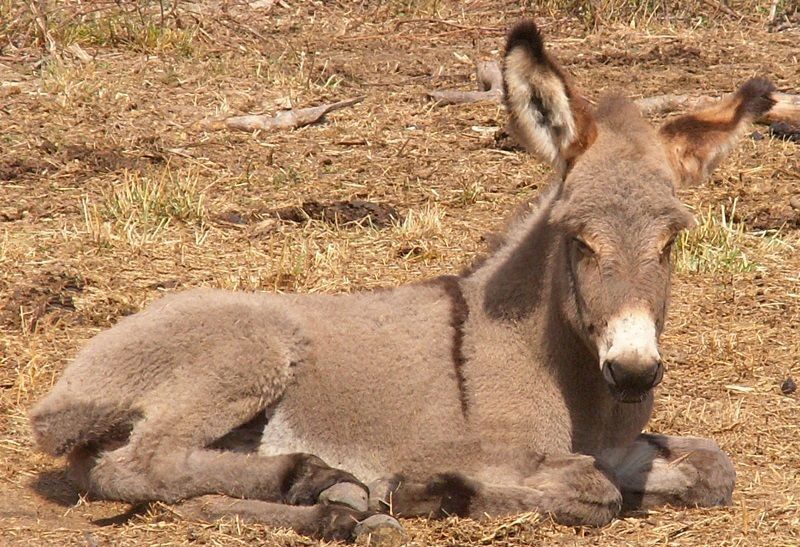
<point>330,522</point>
<point>156,466</point>
<point>166,457</point>
<point>680,471</point>
<point>573,489</point>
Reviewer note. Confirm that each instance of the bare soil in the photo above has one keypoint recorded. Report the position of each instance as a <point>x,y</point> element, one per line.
<point>110,197</point>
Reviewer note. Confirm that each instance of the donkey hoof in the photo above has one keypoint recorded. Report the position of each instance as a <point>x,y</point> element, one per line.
<point>379,531</point>
<point>345,493</point>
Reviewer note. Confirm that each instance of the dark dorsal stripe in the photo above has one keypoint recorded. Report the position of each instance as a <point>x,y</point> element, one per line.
<point>459,312</point>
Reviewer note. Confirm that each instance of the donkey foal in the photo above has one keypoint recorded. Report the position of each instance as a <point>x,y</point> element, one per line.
<point>523,384</point>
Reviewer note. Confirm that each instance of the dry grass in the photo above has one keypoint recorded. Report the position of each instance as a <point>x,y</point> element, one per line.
<point>110,198</point>
<point>654,13</point>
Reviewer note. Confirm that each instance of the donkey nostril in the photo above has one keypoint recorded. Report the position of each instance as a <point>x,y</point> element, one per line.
<point>633,378</point>
<point>658,375</point>
<point>608,373</point>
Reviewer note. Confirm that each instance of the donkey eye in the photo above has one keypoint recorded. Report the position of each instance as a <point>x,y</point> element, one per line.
<point>583,247</point>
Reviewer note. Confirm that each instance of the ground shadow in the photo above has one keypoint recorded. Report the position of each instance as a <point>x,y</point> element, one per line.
<point>122,518</point>
<point>55,485</point>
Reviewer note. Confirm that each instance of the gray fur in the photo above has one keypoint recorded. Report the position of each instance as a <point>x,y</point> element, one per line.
<point>478,395</point>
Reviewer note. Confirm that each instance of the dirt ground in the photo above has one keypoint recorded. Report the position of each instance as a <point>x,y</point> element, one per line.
<point>111,195</point>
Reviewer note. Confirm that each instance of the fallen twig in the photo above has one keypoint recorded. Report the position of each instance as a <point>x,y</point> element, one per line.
<point>286,119</point>
<point>786,109</point>
<point>773,12</point>
<point>664,104</point>
<point>450,24</point>
<point>490,87</point>
<point>722,6</point>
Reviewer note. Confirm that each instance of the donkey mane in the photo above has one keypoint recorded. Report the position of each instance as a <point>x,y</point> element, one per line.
<point>512,227</point>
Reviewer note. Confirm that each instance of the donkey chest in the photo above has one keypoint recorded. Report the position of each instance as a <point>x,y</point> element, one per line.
<point>608,424</point>
<point>514,403</point>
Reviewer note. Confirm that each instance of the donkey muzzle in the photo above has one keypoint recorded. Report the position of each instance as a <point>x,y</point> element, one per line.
<point>629,357</point>
<point>631,383</point>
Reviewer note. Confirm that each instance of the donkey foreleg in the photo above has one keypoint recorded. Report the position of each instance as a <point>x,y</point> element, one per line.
<point>681,471</point>
<point>573,489</point>
<point>329,522</point>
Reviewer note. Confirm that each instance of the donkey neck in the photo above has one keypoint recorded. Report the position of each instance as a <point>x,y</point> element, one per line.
<point>525,287</point>
<point>518,283</point>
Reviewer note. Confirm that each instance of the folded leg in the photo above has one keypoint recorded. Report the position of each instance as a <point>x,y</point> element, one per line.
<point>681,471</point>
<point>573,489</point>
<point>167,455</point>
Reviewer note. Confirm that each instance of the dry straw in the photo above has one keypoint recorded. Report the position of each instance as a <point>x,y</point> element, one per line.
<point>110,198</point>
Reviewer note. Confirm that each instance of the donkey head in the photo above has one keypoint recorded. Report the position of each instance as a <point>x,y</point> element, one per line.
<point>615,211</point>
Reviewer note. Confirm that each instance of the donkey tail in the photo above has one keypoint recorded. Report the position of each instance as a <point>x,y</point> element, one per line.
<point>59,425</point>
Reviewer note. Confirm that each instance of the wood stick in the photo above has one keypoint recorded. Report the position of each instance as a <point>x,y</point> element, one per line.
<point>664,104</point>
<point>786,109</point>
<point>450,24</point>
<point>773,11</point>
<point>721,6</point>
<point>286,119</point>
<point>490,87</point>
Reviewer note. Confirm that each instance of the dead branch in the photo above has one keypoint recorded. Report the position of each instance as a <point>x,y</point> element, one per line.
<point>39,10</point>
<point>450,24</point>
<point>786,109</point>
<point>286,119</point>
<point>773,11</point>
<point>490,87</point>
<point>664,104</point>
<point>723,7</point>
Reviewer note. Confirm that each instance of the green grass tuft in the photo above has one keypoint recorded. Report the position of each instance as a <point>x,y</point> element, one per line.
<point>719,244</point>
<point>151,201</point>
<point>122,29</point>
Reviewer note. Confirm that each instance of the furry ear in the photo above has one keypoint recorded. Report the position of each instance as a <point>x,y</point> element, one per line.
<point>696,143</point>
<point>546,113</point>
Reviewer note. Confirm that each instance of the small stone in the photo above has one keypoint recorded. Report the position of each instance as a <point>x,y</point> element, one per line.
<point>788,386</point>
<point>379,531</point>
<point>794,202</point>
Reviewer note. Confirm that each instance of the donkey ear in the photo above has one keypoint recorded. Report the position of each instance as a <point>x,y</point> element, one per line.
<point>546,113</point>
<point>697,142</point>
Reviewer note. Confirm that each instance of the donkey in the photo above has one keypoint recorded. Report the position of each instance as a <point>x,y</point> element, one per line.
<point>523,384</point>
